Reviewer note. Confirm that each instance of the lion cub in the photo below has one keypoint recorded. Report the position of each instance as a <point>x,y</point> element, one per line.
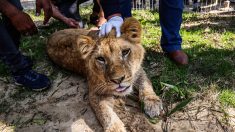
<point>112,67</point>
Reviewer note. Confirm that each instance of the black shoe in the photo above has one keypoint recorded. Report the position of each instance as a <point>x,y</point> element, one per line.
<point>32,80</point>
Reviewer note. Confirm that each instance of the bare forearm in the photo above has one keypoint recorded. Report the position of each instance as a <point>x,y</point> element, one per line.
<point>8,9</point>
<point>56,14</point>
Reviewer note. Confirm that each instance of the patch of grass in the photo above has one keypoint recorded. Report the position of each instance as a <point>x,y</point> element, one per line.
<point>179,106</point>
<point>151,24</point>
<point>3,70</point>
<point>227,98</point>
<point>34,17</point>
<point>171,92</point>
<point>4,106</point>
<point>210,47</point>
<point>188,17</point>
<point>39,121</point>
<point>21,94</point>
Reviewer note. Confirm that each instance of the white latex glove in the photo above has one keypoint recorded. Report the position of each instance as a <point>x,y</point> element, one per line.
<point>115,22</point>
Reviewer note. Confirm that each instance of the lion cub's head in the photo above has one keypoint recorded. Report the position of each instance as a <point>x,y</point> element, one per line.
<point>112,63</point>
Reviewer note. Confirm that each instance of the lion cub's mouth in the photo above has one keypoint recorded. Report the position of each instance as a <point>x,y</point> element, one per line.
<point>122,88</point>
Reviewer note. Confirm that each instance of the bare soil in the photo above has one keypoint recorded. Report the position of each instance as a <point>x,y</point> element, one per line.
<point>65,108</point>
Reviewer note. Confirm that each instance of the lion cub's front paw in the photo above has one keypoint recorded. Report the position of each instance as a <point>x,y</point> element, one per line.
<point>116,127</point>
<point>152,105</point>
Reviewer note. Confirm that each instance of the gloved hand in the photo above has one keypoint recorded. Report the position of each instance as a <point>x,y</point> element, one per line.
<point>115,22</point>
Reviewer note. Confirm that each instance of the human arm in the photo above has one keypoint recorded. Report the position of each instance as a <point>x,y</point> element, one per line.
<point>69,21</point>
<point>8,9</point>
<point>47,8</point>
<point>20,20</point>
<point>101,19</point>
<point>114,12</point>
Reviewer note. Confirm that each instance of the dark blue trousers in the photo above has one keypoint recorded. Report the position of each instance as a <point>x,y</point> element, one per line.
<point>170,21</point>
<point>70,8</point>
<point>125,8</point>
<point>9,43</point>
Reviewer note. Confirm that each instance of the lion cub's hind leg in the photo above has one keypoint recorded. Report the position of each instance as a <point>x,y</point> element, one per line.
<point>152,103</point>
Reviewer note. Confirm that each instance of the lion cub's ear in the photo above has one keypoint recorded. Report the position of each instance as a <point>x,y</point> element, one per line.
<point>85,45</point>
<point>131,30</point>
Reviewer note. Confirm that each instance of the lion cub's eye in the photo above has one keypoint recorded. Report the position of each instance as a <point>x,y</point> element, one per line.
<point>101,59</point>
<point>126,52</point>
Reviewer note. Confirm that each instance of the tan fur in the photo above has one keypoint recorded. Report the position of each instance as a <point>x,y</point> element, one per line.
<point>112,67</point>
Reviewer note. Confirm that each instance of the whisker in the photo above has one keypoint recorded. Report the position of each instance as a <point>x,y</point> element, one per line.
<point>100,89</point>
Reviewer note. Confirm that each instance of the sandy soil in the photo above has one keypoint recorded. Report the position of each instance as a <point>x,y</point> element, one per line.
<point>65,108</point>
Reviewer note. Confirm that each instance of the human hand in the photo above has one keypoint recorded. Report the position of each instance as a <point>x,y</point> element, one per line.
<point>71,23</point>
<point>100,21</point>
<point>114,22</point>
<point>46,6</point>
<point>23,23</point>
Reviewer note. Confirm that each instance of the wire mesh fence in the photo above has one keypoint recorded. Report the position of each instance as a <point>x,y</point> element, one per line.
<point>190,5</point>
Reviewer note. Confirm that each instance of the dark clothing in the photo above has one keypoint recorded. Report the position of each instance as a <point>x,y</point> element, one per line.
<point>70,8</point>
<point>96,7</point>
<point>170,19</point>
<point>170,12</point>
<point>9,43</point>
<point>116,6</point>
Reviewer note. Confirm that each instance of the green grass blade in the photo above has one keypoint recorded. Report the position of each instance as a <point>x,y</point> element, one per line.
<point>180,106</point>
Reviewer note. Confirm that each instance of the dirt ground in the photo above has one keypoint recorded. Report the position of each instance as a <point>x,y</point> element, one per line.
<point>65,108</point>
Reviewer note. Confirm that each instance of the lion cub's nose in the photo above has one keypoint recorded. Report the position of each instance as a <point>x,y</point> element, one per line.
<point>118,80</point>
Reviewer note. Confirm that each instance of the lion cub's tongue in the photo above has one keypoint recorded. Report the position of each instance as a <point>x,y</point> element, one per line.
<point>120,88</point>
